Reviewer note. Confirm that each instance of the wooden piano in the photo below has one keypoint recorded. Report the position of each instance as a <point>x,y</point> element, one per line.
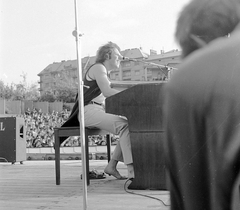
<point>142,105</point>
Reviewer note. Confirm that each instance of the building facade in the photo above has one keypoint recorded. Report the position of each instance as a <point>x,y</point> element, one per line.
<point>142,67</point>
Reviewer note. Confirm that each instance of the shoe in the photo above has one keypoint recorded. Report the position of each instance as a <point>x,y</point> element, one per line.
<point>94,174</point>
<point>116,174</point>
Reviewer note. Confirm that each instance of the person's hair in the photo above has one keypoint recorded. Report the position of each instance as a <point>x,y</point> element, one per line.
<point>104,52</point>
<point>206,20</point>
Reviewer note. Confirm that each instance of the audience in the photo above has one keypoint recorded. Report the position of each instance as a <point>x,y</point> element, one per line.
<point>40,130</point>
<point>40,127</point>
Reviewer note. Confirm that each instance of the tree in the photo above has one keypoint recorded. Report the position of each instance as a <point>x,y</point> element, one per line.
<point>33,92</point>
<point>20,91</point>
<point>7,91</point>
<point>48,96</point>
<point>66,88</point>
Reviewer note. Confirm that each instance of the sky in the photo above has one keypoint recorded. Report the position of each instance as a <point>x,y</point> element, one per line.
<point>36,33</point>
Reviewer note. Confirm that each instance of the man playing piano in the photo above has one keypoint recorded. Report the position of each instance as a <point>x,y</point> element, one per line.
<point>97,88</point>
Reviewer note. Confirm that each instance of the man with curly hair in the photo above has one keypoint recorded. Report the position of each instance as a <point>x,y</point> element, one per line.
<point>97,88</point>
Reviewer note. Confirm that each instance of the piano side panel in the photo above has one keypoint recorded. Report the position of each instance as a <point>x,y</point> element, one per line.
<point>142,105</point>
<point>148,159</point>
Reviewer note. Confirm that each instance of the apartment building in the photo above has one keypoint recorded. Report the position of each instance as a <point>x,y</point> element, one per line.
<point>142,67</point>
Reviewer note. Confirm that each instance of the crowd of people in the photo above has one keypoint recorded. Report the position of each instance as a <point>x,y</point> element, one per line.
<point>40,129</point>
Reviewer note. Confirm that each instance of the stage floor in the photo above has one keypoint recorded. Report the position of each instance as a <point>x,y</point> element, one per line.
<point>31,186</point>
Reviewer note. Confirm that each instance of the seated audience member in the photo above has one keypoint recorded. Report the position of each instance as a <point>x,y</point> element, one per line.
<point>202,107</point>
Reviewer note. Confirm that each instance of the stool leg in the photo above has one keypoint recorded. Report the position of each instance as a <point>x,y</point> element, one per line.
<point>108,139</point>
<point>87,156</point>
<point>57,157</point>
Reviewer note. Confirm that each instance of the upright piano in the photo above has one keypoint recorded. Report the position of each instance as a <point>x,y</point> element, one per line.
<point>142,105</point>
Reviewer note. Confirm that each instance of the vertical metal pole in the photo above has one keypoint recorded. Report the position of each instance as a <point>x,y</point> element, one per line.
<point>81,107</point>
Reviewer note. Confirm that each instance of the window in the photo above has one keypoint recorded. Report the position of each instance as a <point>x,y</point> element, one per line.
<point>116,76</point>
<point>127,73</point>
<point>137,72</point>
<point>127,64</point>
<point>113,76</point>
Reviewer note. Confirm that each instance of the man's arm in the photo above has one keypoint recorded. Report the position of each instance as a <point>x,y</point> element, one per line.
<point>99,73</point>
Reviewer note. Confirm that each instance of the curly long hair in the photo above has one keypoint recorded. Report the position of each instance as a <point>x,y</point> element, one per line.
<point>104,52</point>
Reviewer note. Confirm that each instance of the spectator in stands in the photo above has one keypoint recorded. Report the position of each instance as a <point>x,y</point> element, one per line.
<point>202,107</point>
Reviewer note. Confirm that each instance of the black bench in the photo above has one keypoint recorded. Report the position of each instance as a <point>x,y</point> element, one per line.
<point>75,131</point>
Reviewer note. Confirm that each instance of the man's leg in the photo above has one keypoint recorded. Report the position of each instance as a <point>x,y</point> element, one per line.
<point>95,116</point>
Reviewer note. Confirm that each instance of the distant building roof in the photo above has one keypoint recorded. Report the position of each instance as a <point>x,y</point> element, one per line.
<point>50,68</point>
<point>172,53</point>
<point>134,53</point>
<point>90,59</point>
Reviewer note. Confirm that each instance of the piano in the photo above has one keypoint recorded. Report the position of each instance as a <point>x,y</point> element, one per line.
<point>142,105</point>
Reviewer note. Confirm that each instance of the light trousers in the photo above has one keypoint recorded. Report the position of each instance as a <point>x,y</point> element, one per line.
<point>96,117</point>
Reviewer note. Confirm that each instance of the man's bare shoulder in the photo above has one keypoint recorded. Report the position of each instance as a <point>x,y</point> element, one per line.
<point>97,69</point>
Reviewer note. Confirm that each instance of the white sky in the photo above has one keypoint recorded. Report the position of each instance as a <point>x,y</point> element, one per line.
<point>36,33</point>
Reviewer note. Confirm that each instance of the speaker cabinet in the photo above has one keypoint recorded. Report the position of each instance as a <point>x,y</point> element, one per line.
<point>12,139</point>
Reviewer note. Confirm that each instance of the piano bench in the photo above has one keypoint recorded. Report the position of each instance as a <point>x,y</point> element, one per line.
<point>75,131</point>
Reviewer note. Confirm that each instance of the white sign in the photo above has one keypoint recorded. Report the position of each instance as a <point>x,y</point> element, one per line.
<point>2,127</point>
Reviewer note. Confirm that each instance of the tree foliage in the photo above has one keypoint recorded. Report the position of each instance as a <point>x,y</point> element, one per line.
<point>19,91</point>
<point>65,90</point>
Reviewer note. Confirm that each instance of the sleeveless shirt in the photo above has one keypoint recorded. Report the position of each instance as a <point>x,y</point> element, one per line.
<point>92,90</point>
<point>89,93</point>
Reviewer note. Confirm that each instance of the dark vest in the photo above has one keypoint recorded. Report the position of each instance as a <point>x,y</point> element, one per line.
<point>89,93</point>
<point>93,91</point>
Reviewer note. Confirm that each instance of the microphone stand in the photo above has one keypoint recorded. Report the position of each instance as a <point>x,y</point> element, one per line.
<point>81,107</point>
<point>155,64</point>
<point>158,65</point>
